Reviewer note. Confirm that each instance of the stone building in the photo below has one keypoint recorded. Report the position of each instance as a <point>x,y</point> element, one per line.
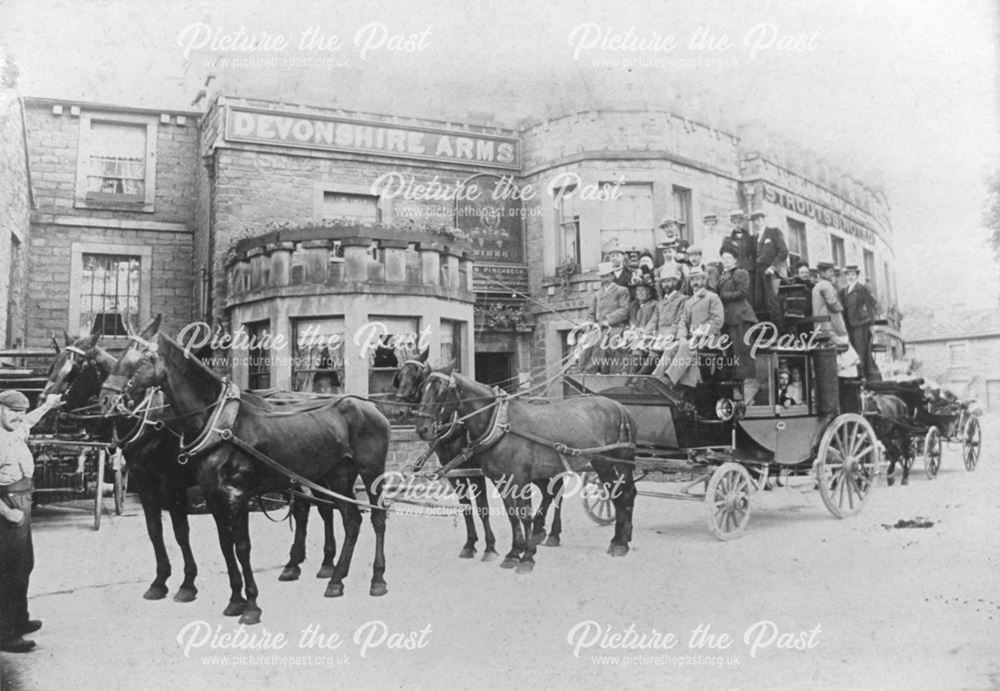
<point>304,226</point>
<point>945,347</point>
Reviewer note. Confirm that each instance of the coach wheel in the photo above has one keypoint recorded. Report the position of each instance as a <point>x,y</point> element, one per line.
<point>597,500</point>
<point>99,488</point>
<point>972,439</point>
<point>728,501</point>
<point>121,481</point>
<point>846,464</point>
<point>932,452</point>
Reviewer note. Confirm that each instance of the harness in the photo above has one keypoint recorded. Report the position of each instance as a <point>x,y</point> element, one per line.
<point>499,426</point>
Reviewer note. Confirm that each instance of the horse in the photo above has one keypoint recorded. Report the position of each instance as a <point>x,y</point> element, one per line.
<point>518,444</point>
<point>245,446</point>
<point>408,382</point>
<point>890,417</point>
<point>78,373</point>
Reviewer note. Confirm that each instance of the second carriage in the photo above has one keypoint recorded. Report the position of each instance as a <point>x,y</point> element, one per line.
<point>728,441</point>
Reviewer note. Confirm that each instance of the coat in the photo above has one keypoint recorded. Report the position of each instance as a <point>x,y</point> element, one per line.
<point>643,315</point>
<point>611,305</point>
<point>702,313</point>
<point>826,304</point>
<point>772,251</point>
<point>734,291</point>
<point>859,305</point>
<point>746,249</point>
<point>669,310</point>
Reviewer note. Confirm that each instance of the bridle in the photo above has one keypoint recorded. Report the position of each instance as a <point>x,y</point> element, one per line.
<point>120,386</point>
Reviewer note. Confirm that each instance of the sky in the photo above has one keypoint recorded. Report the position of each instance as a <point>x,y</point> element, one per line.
<point>901,92</point>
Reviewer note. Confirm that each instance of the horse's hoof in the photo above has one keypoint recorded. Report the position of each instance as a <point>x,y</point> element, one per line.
<point>155,592</point>
<point>509,563</point>
<point>905,481</point>
<point>616,550</point>
<point>325,571</point>
<point>334,590</point>
<point>379,589</point>
<point>890,481</point>
<point>234,609</point>
<point>553,541</point>
<point>525,567</point>
<point>538,538</point>
<point>186,595</point>
<point>290,573</point>
<point>490,555</point>
<point>467,553</point>
<point>251,617</point>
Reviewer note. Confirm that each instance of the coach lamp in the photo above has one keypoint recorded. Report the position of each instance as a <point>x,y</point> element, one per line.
<point>725,409</point>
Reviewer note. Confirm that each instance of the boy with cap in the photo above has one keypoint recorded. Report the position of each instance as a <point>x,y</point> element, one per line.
<point>17,558</point>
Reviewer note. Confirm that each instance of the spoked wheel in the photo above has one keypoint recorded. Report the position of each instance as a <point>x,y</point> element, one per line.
<point>932,452</point>
<point>972,439</point>
<point>846,464</point>
<point>597,500</point>
<point>99,488</point>
<point>121,481</point>
<point>758,475</point>
<point>728,500</point>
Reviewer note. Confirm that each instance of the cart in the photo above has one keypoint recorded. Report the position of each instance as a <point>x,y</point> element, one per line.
<point>727,440</point>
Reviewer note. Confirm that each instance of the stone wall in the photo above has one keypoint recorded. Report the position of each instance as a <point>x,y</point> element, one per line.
<point>14,220</point>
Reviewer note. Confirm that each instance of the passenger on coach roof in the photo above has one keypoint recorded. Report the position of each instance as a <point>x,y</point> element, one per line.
<point>669,309</point>
<point>701,322</point>
<point>610,312</point>
<point>642,324</point>
<point>826,304</point>
<point>860,309</point>
<point>734,288</point>
<point>771,267</point>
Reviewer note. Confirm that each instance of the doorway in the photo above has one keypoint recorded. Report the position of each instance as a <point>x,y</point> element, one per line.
<point>496,369</point>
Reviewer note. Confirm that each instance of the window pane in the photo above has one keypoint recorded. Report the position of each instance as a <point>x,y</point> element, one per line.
<point>397,343</point>
<point>259,357</point>
<point>117,159</point>
<point>451,343</point>
<point>109,295</point>
<point>318,360</point>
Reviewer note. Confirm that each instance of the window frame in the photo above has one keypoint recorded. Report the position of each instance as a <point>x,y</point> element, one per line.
<point>77,250</point>
<point>566,223</point>
<point>85,149</point>
<point>835,242</point>
<point>963,346</point>
<point>797,232</point>
<point>294,323</point>
<point>683,211</point>
<point>266,354</point>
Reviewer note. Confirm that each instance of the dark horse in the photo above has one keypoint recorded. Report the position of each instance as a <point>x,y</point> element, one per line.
<point>244,446</point>
<point>78,372</point>
<point>519,444</point>
<point>890,417</point>
<point>408,382</point>
<point>150,452</point>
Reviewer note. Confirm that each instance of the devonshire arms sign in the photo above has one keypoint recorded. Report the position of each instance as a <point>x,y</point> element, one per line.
<point>371,137</point>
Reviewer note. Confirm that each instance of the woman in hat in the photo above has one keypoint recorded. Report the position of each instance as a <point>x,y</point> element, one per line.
<point>17,558</point>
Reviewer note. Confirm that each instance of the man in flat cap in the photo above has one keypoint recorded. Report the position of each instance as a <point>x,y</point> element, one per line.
<point>17,558</point>
<point>860,309</point>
